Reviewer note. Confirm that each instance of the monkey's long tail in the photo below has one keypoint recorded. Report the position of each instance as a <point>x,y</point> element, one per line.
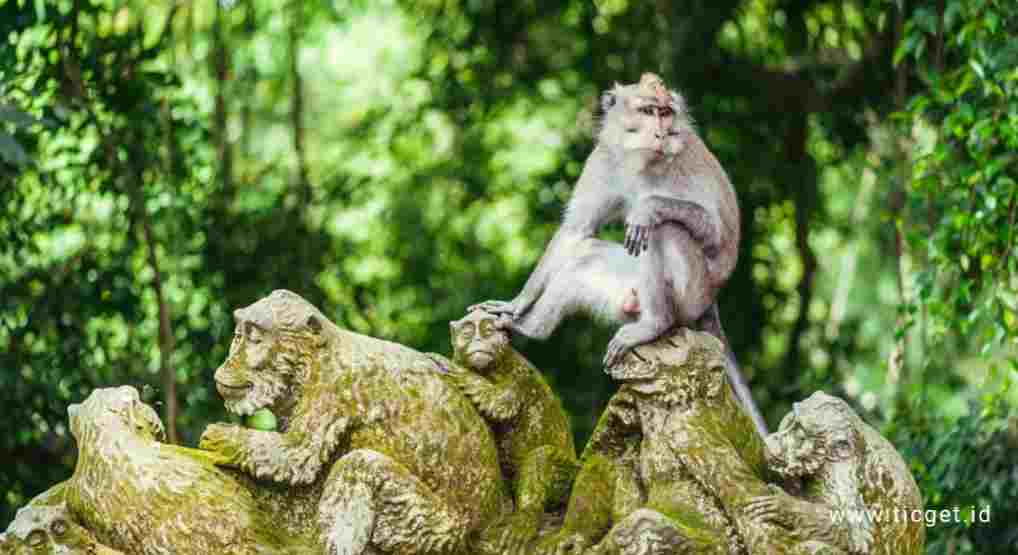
<point>710,322</point>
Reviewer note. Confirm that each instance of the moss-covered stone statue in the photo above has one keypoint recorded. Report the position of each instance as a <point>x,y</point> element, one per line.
<point>404,462</point>
<point>675,466</point>
<point>847,468</point>
<point>140,495</point>
<point>357,446</point>
<point>46,527</point>
<point>531,428</point>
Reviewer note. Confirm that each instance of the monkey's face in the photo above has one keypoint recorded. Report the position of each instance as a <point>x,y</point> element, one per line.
<point>644,124</point>
<point>46,530</point>
<point>810,437</point>
<point>478,340</point>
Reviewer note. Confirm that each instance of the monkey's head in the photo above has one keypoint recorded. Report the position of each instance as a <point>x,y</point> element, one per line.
<point>47,530</point>
<point>478,340</point>
<point>276,343</point>
<point>645,125</point>
<point>819,431</point>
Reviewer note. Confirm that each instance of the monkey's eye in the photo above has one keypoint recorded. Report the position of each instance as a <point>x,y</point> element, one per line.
<point>37,538</point>
<point>665,112</point>
<point>674,133</point>
<point>59,528</point>
<point>647,110</point>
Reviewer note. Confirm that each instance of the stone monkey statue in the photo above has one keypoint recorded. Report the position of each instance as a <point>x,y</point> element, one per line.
<point>651,170</point>
<point>845,466</point>
<point>531,428</point>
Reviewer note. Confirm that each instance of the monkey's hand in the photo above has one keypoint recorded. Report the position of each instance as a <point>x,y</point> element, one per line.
<point>515,308</point>
<point>639,225</point>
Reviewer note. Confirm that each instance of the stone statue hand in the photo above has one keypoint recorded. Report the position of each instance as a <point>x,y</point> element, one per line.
<point>777,508</point>
<point>564,542</point>
<point>639,225</point>
<point>225,441</point>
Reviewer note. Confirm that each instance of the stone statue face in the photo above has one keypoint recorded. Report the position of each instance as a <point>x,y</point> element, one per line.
<point>272,343</point>
<point>478,340</point>
<point>818,431</point>
<point>38,530</point>
<point>118,407</point>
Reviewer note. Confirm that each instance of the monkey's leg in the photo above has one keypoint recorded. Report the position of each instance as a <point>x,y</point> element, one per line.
<point>593,279</point>
<point>372,503</point>
<point>672,285</point>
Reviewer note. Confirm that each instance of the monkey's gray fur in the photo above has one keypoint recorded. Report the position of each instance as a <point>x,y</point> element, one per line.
<point>651,170</point>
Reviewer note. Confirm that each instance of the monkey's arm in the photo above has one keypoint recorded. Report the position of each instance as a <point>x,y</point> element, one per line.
<point>654,210</point>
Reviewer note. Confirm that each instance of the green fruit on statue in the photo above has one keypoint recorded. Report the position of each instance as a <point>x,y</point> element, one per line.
<point>263,420</point>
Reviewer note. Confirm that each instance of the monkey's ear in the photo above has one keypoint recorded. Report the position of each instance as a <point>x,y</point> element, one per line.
<point>608,100</point>
<point>678,103</point>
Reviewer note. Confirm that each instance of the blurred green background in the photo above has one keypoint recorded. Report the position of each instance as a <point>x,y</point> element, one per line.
<point>165,162</point>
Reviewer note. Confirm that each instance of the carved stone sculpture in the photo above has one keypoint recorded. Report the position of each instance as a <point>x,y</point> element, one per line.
<point>531,427</point>
<point>405,462</point>
<point>143,496</point>
<point>850,473</point>
<point>46,527</point>
<point>635,479</point>
<point>377,449</point>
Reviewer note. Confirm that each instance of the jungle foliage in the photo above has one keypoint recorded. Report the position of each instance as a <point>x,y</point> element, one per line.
<point>163,163</point>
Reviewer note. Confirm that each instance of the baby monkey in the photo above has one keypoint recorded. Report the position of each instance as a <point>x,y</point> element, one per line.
<point>650,170</point>
<point>531,428</point>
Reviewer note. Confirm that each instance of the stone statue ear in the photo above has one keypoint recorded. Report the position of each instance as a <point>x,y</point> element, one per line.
<point>608,100</point>
<point>314,324</point>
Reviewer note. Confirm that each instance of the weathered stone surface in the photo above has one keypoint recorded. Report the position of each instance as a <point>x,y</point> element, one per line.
<point>378,449</point>
<point>46,527</point>
<point>844,466</point>
<point>405,462</point>
<point>532,429</point>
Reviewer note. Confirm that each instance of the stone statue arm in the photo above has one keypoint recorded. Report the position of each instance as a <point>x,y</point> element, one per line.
<point>294,457</point>
<point>498,401</point>
<point>850,531</point>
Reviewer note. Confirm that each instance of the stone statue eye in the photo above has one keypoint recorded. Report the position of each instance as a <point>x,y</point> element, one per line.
<point>37,538</point>
<point>59,528</point>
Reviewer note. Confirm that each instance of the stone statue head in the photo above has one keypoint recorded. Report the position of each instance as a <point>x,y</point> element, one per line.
<point>677,369</point>
<point>478,340</point>
<point>275,342</point>
<point>114,409</point>
<point>820,430</point>
<point>48,529</point>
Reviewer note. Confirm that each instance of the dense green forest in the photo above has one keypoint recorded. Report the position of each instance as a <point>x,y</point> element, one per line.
<point>165,162</point>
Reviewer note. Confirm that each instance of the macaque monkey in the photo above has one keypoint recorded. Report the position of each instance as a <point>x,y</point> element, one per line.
<point>650,170</point>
